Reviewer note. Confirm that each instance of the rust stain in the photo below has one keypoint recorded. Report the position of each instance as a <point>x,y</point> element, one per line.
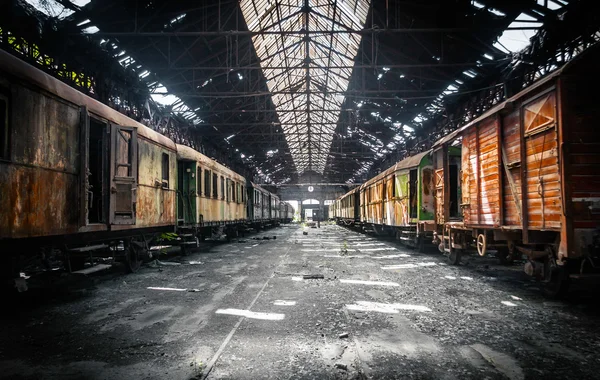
<point>427,180</point>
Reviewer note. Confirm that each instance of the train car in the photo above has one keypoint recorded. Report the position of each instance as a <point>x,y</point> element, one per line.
<point>286,212</point>
<point>334,210</point>
<point>74,173</point>
<point>347,209</point>
<point>260,206</point>
<point>400,200</point>
<point>212,197</point>
<point>531,178</point>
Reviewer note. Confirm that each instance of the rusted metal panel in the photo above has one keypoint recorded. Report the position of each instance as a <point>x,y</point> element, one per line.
<point>156,200</point>
<point>39,186</point>
<point>36,202</point>
<point>220,207</point>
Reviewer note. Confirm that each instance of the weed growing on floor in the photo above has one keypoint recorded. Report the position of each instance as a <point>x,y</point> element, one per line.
<point>344,249</point>
<point>198,369</point>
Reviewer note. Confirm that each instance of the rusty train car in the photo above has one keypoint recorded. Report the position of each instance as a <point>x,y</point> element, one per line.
<point>286,212</point>
<point>69,168</point>
<point>530,182</point>
<point>400,200</point>
<point>211,198</point>
<point>79,178</point>
<point>523,180</point>
<point>346,209</point>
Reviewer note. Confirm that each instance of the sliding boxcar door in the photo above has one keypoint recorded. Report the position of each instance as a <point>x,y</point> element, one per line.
<point>123,188</point>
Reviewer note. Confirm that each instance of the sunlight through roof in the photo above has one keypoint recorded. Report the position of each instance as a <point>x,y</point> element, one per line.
<point>307,72</point>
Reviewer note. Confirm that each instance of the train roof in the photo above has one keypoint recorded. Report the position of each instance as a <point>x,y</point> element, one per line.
<point>186,153</point>
<point>23,70</point>
<point>263,190</point>
<point>408,163</point>
<point>357,188</point>
<point>507,104</point>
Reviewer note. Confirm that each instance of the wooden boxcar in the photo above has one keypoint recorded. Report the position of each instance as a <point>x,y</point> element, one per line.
<point>212,197</point>
<point>531,178</point>
<point>73,170</point>
<point>400,200</point>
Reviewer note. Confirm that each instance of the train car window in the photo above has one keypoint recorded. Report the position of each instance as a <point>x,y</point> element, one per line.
<point>4,128</point>
<point>206,183</point>
<point>165,170</point>
<point>123,154</point>
<point>199,181</point>
<point>228,189</point>
<point>223,188</point>
<point>215,185</point>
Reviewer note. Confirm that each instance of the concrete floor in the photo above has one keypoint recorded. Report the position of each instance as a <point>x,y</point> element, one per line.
<point>243,311</point>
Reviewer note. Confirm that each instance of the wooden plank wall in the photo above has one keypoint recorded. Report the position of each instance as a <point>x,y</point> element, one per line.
<point>580,115</point>
<point>489,194</point>
<point>511,140</point>
<point>542,171</point>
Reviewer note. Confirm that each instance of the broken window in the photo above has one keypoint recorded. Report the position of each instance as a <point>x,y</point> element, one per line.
<point>223,188</point>
<point>215,185</point>
<point>206,183</point>
<point>165,170</point>
<point>199,181</point>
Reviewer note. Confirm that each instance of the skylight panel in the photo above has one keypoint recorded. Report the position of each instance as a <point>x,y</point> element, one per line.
<point>309,148</point>
<point>51,8</point>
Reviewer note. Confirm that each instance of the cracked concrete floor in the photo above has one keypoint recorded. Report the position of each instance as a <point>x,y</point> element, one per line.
<point>244,311</point>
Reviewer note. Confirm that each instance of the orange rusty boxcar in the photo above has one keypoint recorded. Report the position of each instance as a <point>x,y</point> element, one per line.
<point>530,178</point>
<point>73,170</point>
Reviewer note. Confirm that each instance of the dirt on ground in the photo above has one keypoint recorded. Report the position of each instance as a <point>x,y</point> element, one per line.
<point>331,304</point>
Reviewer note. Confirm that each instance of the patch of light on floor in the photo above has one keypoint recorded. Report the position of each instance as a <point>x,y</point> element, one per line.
<point>379,249</point>
<point>516,298</point>
<point>408,266</point>
<point>391,256</point>
<point>376,283</point>
<point>508,303</point>
<point>252,314</point>
<point>346,256</point>
<point>450,277</point>
<point>393,308</point>
<point>284,303</point>
<point>170,289</point>
<point>467,278</point>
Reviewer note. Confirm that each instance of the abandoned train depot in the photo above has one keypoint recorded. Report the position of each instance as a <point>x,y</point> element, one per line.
<point>299,189</point>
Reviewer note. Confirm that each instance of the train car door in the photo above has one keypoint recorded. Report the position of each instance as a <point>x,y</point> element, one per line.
<point>123,175</point>
<point>94,178</point>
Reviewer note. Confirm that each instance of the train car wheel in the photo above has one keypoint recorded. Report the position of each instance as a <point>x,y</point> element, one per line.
<point>481,244</point>
<point>133,257</point>
<point>454,257</point>
<point>559,283</point>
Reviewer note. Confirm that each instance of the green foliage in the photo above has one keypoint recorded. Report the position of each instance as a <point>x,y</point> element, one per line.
<point>168,236</point>
<point>344,249</point>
